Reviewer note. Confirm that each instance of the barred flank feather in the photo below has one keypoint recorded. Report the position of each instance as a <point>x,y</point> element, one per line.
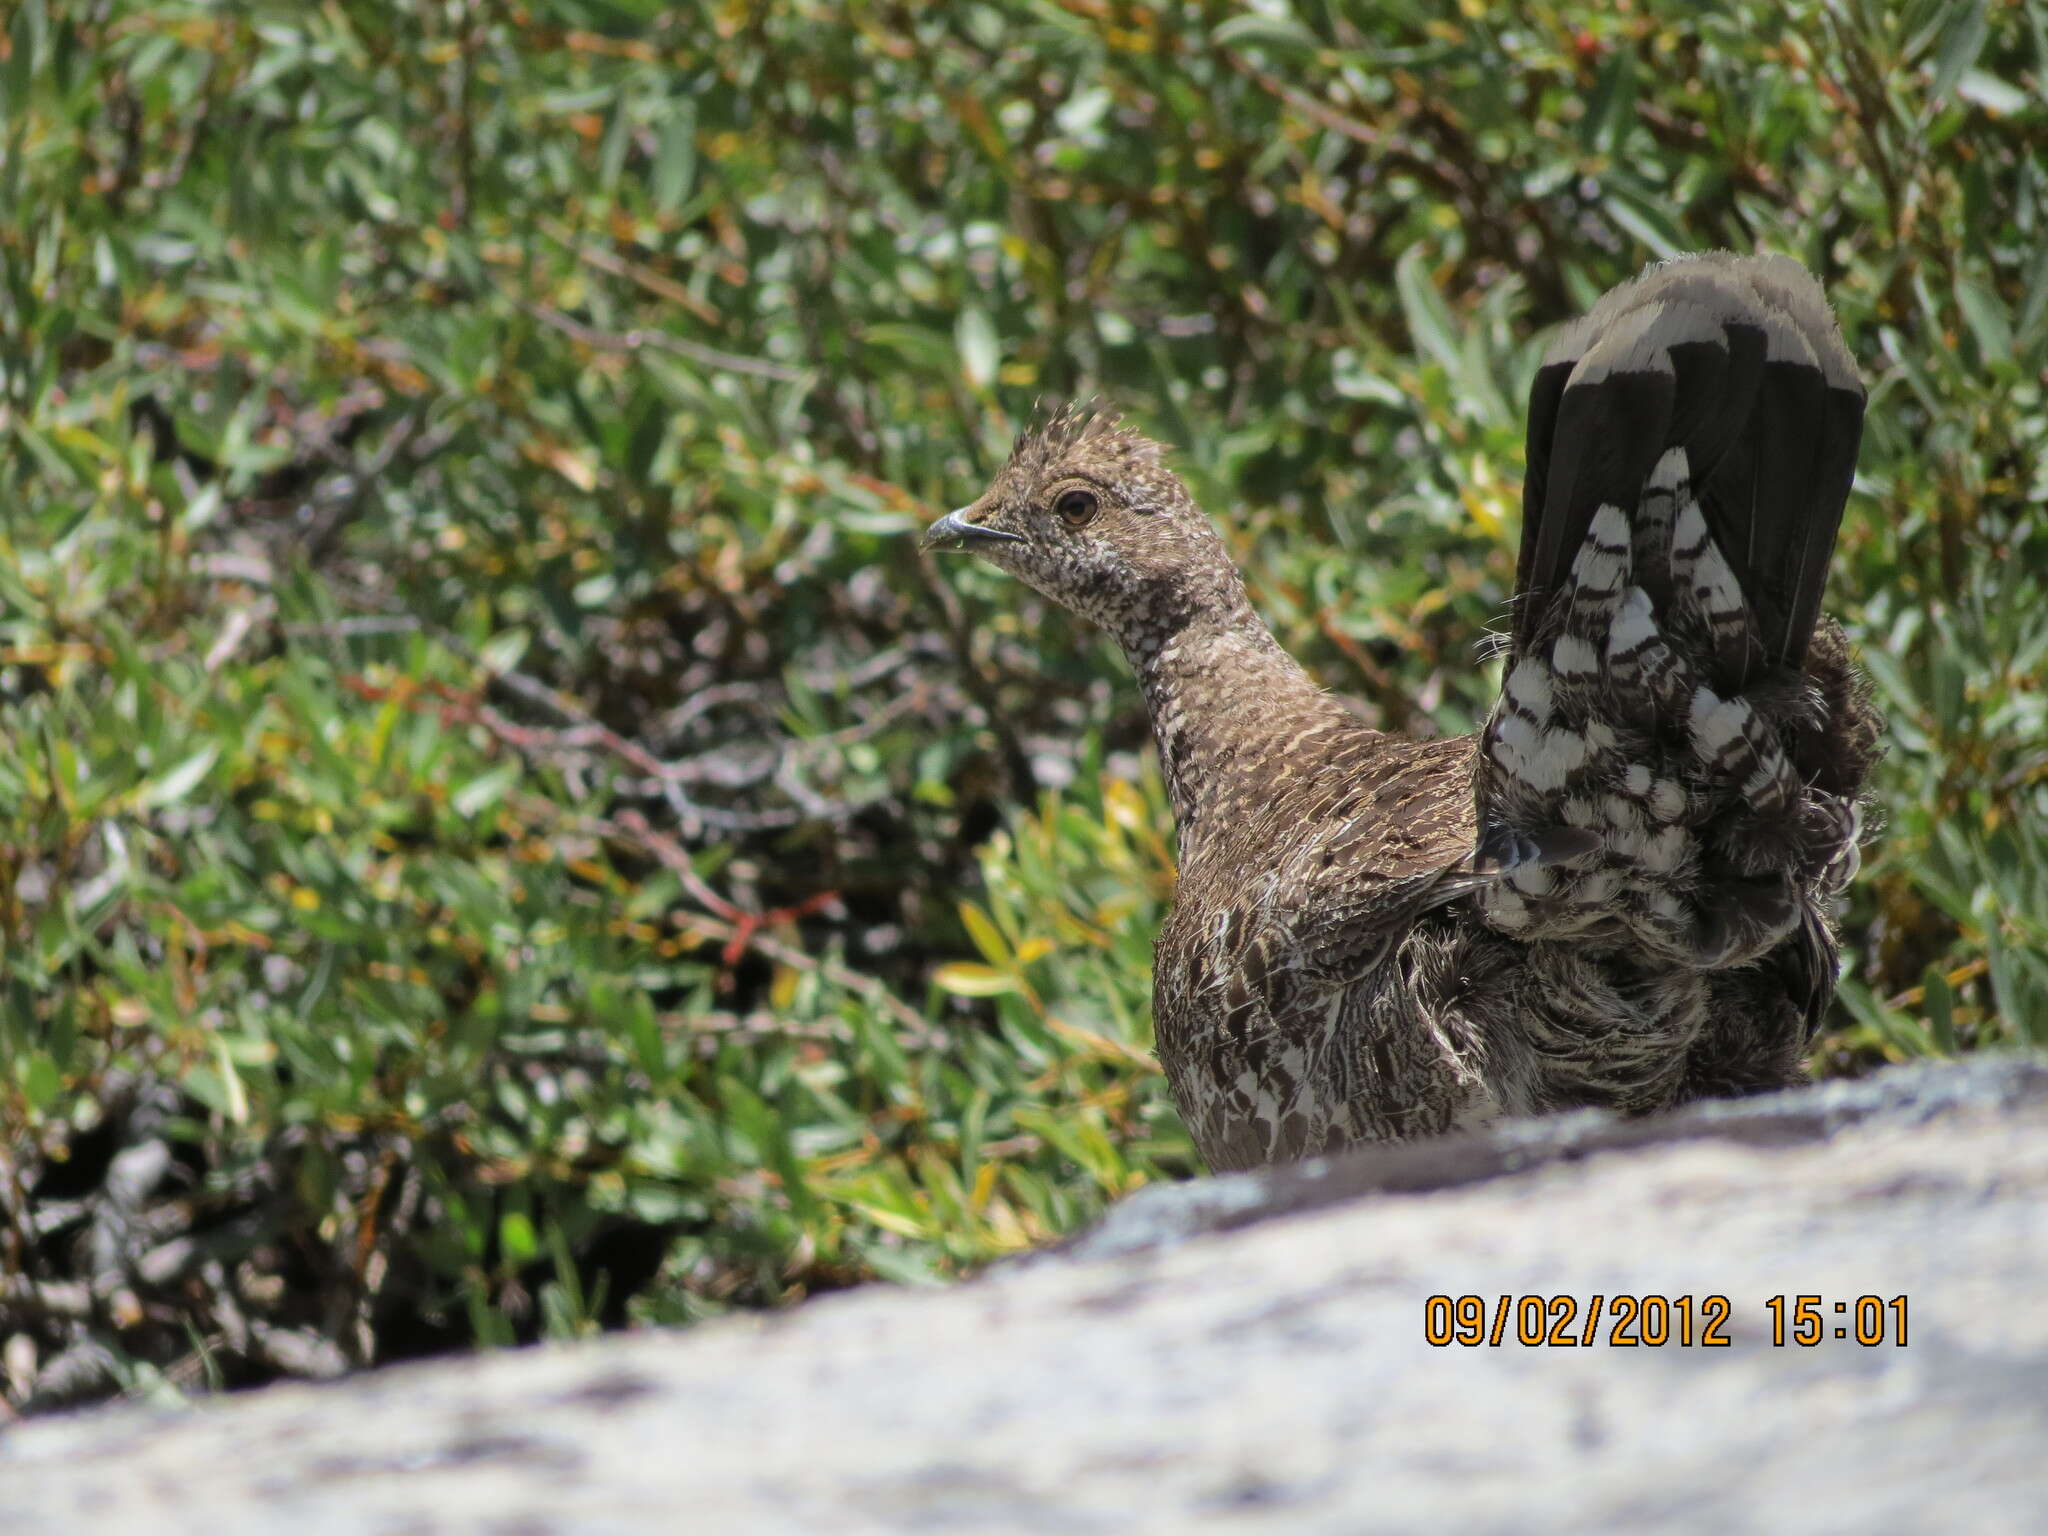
<point>1618,893</point>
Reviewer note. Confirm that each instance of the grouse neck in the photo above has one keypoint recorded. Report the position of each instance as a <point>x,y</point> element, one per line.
<point>1228,706</point>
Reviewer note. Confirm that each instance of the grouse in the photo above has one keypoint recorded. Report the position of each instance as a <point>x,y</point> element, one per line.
<point>1618,892</point>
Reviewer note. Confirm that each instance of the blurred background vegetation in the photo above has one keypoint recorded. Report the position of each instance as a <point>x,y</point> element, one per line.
<point>500,836</point>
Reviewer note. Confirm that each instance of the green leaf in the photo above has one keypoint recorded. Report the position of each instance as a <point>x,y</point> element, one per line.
<point>1996,96</point>
<point>517,1240</point>
<point>1940,1006</point>
<point>485,790</point>
<point>1961,41</point>
<point>501,653</point>
<point>1656,227</point>
<point>980,354</point>
<point>987,937</point>
<point>1258,30</point>
<point>917,345</point>
<point>179,782</point>
<point>41,1082</point>
<point>1986,318</point>
<point>1429,318</point>
<point>204,507</point>
<point>675,164</point>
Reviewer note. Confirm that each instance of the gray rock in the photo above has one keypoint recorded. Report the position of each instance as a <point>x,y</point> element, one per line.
<point>1248,1354</point>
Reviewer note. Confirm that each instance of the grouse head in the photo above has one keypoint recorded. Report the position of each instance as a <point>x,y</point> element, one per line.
<point>1087,512</point>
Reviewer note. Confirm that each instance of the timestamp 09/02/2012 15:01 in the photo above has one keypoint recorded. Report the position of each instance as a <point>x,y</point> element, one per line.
<point>1631,1321</point>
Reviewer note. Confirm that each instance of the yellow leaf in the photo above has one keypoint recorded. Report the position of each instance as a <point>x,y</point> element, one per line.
<point>1006,1228</point>
<point>573,467</point>
<point>85,442</point>
<point>987,937</point>
<point>1105,1048</point>
<point>231,1081</point>
<point>1124,804</point>
<point>1485,510</point>
<point>965,979</point>
<point>984,1186</point>
<point>891,1221</point>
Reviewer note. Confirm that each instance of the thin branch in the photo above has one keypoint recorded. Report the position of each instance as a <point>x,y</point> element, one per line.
<point>635,340</point>
<point>732,926</point>
<point>633,272</point>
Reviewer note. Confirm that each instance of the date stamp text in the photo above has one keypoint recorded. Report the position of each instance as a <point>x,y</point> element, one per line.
<point>1625,1321</point>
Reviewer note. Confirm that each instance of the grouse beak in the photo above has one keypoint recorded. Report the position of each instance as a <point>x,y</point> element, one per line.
<point>955,532</point>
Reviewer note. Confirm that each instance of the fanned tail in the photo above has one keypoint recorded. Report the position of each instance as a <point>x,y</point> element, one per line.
<point>1671,688</point>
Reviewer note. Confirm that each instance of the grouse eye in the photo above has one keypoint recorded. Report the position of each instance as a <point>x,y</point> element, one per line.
<point>1075,507</point>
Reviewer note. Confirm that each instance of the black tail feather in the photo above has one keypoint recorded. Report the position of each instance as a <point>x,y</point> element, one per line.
<point>1737,362</point>
<point>1691,445</point>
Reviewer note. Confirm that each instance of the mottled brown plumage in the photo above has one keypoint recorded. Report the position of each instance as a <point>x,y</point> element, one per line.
<point>1617,893</point>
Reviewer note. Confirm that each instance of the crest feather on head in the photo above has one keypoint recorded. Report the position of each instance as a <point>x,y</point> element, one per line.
<point>1057,431</point>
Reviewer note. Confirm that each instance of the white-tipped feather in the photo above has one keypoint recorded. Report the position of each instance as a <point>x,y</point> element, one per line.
<point>1635,625</point>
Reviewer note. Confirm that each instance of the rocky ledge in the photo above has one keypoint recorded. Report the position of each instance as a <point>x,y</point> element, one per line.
<point>1250,1353</point>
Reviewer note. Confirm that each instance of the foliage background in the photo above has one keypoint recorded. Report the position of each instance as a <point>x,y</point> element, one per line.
<point>500,835</point>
